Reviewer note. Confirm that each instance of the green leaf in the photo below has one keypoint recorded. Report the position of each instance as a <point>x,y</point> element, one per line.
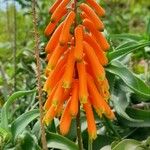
<point>126,50</point>
<point>27,141</point>
<point>135,113</point>
<point>4,135</point>
<point>107,147</point>
<point>125,44</point>
<point>128,144</point>
<point>148,28</point>
<point>22,121</point>
<point>60,142</point>
<point>126,37</point>
<point>9,102</point>
<point>132,81</point>
<point>120,103</point>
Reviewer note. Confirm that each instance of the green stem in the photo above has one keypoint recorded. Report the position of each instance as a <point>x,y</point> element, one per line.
<point>78,124</point>
<point>111,127</point>
<point>89,144</point>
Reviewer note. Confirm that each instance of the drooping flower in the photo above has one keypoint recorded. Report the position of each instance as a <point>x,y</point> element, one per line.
<point>76,54</point>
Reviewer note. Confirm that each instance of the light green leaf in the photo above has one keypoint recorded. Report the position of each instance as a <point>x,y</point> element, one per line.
<point>126,37</point>
<point>22,121</point>
<point>137,114</point>
<point>120,103</point>
<point>9,102</point>
<point>5,135</point>
<point>125,44</point>
<point>128,144</point>
<point>126,50</point>
<point>60,142</point>
<point>107,147</point>
<point>132,81</point>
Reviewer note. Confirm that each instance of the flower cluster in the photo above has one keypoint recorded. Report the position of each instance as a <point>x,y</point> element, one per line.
<point>76,55</point>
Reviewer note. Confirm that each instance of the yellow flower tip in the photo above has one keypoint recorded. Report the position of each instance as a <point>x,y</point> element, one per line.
<point>49,90</point>
<point>93,136</point>
<point>100,112</point>
<point>47,72</point>
<point>50,67</point>
<point>44,88</point>
<point>106,98</point>
<point>47,121</point>
<point>83,99</point>
<point>55,103</point>
<point>101,78</point>
<point>64,132</point>
<point>66,85</point>
<point>110,116</point>
<point>73,114</point>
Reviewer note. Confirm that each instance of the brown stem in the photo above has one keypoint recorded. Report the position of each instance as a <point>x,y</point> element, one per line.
<point>39,86</point>
<point>15,46</point>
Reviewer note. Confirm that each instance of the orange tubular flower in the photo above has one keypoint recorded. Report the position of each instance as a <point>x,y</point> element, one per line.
<point>90,120</point>
<point>99,10</point>
<point>58,95</point>
<point>59,10</point>
<point>99,103</point>
<point>78,43</point>
<point>59,50</point>
<point>51,113</point>
<point>68,74</point>
<point>94,62</point>
<point>50,28</point>
<point>52,25</point>
<point>54,6</point>
<point>65,120</point>
<point>91,14</point>
<point>49,99</point>
<point>98,35</point>
<point>83,93</point>
<point>98,51</point>
<point>74,99</point>
<point>54,39</point>
<point>76,56</point>
<point>53,78</point>
<point>84,16</point>
<point>64,36</point>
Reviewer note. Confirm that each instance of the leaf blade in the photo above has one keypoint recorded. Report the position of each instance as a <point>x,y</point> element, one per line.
<point>133,82</point>
<point>60,142</point>
<point>22,121</point>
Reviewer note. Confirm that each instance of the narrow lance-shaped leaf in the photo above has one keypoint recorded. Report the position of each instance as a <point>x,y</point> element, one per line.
<point>132,81</point>
<point>136,114</point>
<point>5,109</point>
<point>128,144</point>
<point>60,142</point>
<point>120,103</point>
<point>126,50</point>
<point>126,37</point>
<point>22,121</point>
